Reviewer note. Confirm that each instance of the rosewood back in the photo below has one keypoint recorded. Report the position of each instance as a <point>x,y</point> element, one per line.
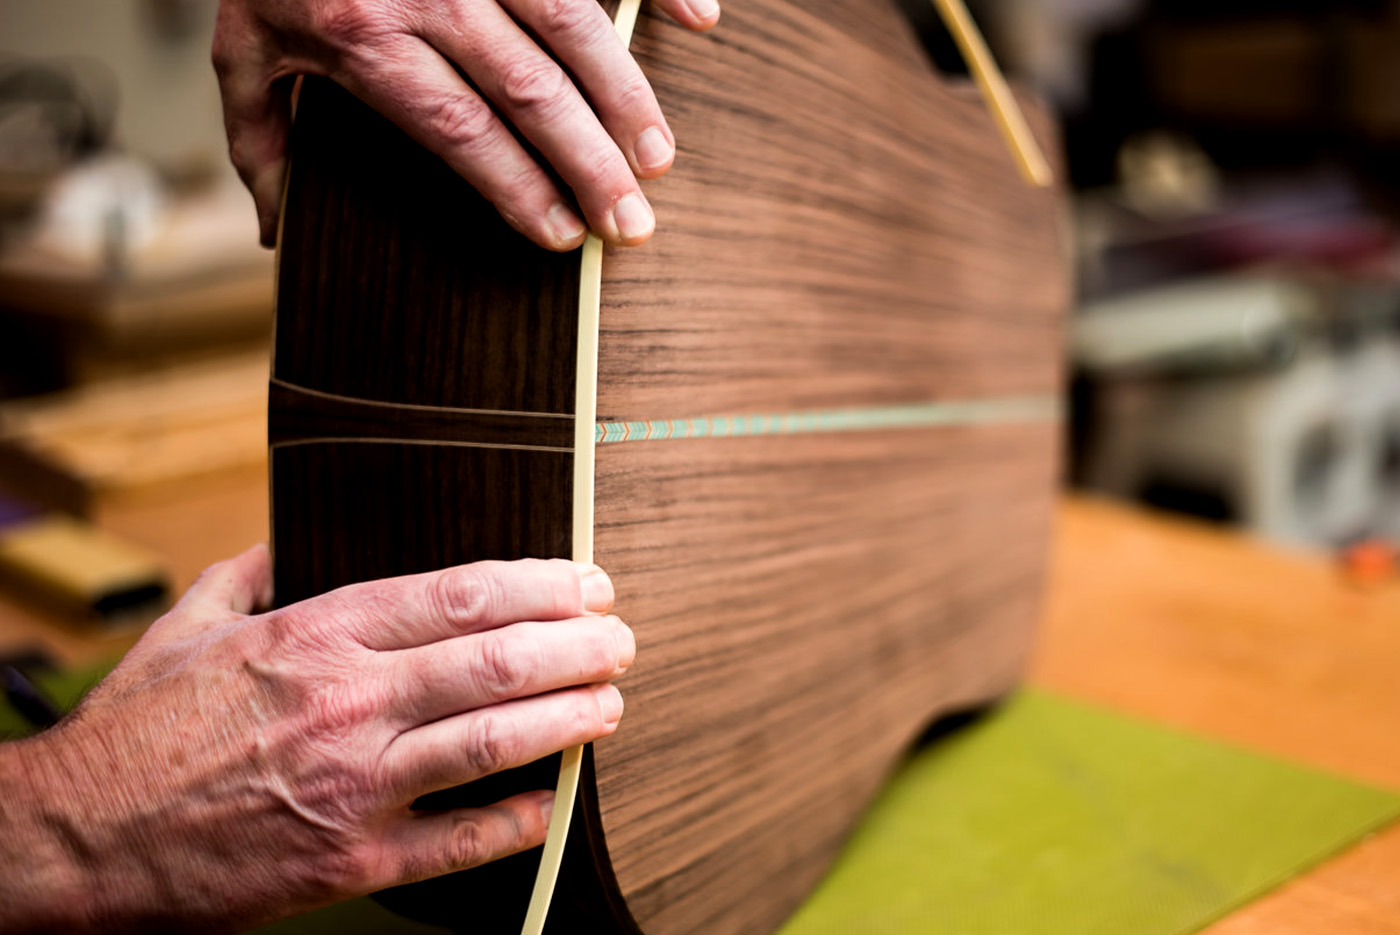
<point>827,434</point>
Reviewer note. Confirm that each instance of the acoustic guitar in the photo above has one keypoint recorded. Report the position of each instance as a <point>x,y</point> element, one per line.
<point>821,461</point>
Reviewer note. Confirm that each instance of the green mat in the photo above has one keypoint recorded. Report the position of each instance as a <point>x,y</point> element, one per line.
<point>1048,817</point>
<point>1054,817</point>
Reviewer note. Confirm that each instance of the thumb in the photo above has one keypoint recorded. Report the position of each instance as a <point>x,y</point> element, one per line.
<point>242,584</point>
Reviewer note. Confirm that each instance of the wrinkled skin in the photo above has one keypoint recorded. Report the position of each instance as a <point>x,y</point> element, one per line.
<point>600,131</point>
<point>238,766</point>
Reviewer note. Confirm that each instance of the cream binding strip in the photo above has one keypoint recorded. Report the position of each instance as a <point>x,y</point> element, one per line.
<point>590,285</point>
<point>1006,113</point>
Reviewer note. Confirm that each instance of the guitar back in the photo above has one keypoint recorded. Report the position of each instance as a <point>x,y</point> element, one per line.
<point>827,428</point>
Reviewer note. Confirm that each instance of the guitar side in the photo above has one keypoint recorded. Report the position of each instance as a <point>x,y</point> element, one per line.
<point>826,442</point>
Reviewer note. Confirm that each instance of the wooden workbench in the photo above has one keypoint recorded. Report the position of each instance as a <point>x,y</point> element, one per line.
<point>1269,650</point>
<point>1166,619</point>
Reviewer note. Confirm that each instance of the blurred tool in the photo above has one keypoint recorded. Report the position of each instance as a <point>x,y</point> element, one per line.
<point>1270,401</point>
<point>1167,175</point>
<point>1209,324</point>
<point>1370,562</point>
<point>138,439</point>
<point>82,571</point>
<point>118,274</point>
<point>52,113</point>
<point>29,701</point>
<point>101,213</point>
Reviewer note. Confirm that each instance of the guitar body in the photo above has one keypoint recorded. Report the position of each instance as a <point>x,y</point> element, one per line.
<point>826,442</point>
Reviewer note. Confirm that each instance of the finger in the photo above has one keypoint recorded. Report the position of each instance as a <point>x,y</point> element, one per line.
<point>537,97</point>
<point>429,844</point>
<point>257,118</point>
<point>454,676</point>
<point>468,746</point>
<point>699,15</point>
<point>398,613</point>
<point>242,584</point>
<point>583,38</point>
<point>416,88</point>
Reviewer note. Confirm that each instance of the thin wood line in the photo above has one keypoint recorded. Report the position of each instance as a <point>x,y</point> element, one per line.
<point>1000,101</point>
<point>998,411</point>
<point>331,440</point>
<point>419,407</point>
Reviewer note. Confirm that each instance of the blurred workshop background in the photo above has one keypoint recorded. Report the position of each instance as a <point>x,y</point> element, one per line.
<point>1235,350</point>
<point>1224,554</point>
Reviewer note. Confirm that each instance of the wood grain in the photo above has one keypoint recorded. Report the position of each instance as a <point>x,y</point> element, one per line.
<point>803,606</point>
<point>405,285</point>
<point>841,231</point>
<point>841,228</point>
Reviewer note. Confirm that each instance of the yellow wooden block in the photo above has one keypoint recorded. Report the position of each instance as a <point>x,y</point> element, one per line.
<point>80,568</point>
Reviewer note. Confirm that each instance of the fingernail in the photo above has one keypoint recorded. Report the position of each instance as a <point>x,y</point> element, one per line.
<point>626,646</point>
<point>633,217</point>
<point>653,149</point>
<point>545,800</point>
<point>609,702</point>
<point>564,224</point>
<point>703,9</point>
<point>596,588</point>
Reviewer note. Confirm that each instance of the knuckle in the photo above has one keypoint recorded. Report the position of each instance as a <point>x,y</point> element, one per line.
<point>348,24</point>
<point>243,164</point>
<point>357,608</point>
<point>347,871</point>
<point>266,646</point>
<point>565,16</point>
<point>461,122</point>
<point>468,844</point>
<point>488,748</point>
<point>501,670</point>
<point>221,56</point>
<point>291,631</point>
<point>230,30</point>
<point>534,84</point>
<point>338,707</point>
<point>635,94</point>
<point>464,596</point>
<point>606,173</point>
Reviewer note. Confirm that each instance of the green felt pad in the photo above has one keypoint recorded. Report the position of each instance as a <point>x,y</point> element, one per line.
<point>1050,817</point>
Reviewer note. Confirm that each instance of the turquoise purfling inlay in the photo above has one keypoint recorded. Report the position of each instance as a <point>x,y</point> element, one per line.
<point>1003,410</point>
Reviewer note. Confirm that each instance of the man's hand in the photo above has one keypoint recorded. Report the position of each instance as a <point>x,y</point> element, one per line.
<point>407,59</point>
<point>238,767</point>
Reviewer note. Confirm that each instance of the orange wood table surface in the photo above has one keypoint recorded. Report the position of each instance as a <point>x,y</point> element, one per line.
<point>1166,619</point>
<point>1269,650</point>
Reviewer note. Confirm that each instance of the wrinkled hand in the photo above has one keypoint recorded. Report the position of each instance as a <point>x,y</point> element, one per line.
<point>238,767</point>
<point>406,58</point>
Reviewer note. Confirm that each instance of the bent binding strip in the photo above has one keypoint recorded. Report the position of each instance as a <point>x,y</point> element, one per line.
<point>585,414</point>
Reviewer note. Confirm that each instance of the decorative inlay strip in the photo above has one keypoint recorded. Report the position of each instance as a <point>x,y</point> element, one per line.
<point>332,440</point>
<point>298,415</point>
<point>911,415</point>
<point>321,394</point>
